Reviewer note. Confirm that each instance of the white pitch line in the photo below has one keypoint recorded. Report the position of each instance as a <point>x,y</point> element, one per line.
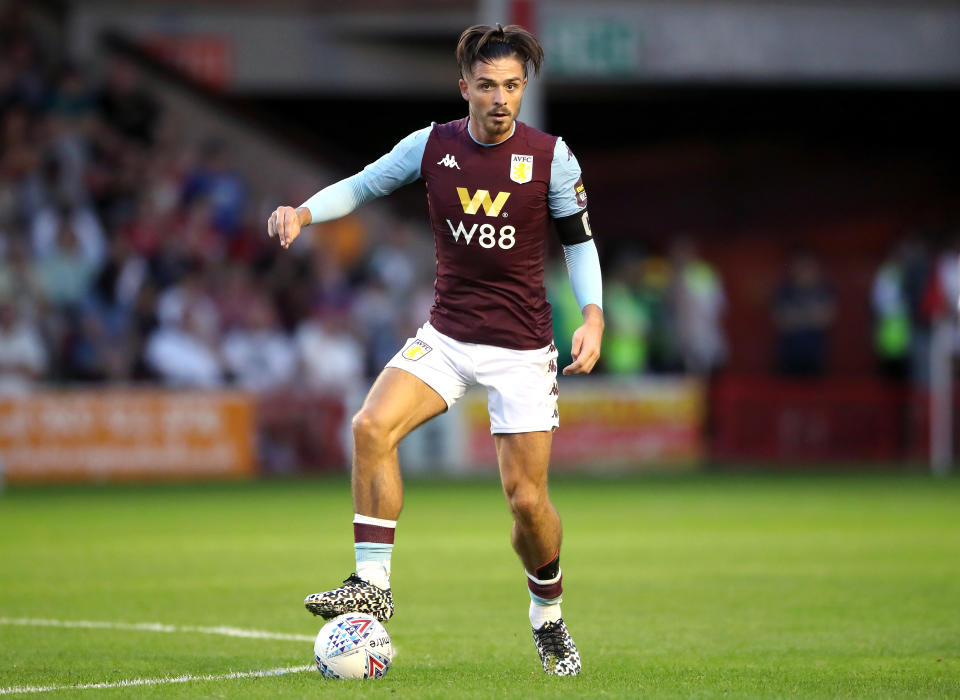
<point>155,681</point>
<point>153,627</point>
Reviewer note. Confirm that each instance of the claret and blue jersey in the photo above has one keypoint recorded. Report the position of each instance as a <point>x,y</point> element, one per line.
<point>490,210</point>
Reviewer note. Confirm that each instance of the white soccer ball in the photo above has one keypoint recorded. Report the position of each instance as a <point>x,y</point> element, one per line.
<point>353,646</point>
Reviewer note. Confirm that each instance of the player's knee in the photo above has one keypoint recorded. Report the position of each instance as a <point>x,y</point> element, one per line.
<point>369,429</point>
<point>526,500</point>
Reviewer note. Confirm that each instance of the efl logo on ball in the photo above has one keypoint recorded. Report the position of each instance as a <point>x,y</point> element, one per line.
<point>353,646</point>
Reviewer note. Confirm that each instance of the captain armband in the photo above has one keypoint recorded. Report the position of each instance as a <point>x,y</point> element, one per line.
<point>575,228</point>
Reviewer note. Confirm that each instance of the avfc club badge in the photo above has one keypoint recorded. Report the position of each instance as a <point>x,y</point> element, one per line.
<point>521,168</point>
<point>415,350</point>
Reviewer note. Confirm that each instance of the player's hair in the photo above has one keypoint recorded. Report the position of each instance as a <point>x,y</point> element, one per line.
<point>486,43</point>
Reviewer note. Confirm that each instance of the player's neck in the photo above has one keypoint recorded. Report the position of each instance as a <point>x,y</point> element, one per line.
<point>479,141</point>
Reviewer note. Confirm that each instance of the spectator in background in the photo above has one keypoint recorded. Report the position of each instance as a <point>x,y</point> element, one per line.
<point>697,303</point>
<point>375,312</point>
<point>47,229</point>
<point>236,292</point>
<point>331,357</point>
<point>627,317</point>
<point>66,272</point>
<point>190,294</point>
<point>218,181</point>
<point>804,310</point>
<point>916,272</point>
<point>23,355</point>
<point>259,356</point>
<point>185,353</point>
<point>98,349</point>
<point>891,310</point>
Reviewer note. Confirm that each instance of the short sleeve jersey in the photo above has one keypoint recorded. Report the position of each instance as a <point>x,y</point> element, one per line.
<point>490,211</point>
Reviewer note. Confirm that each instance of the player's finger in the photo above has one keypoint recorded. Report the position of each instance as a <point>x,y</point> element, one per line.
<point>576,344</point>
<point>282,225</point>
<point>584,363</point>
<point>272,225</point>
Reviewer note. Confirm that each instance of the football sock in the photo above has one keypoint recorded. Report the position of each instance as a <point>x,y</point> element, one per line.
<point>540,614</point>
<point>551,569</point>
<point>373,544</point>
<point>546,589</point>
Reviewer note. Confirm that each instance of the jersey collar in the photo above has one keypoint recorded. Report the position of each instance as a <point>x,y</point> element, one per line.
<point>513,130</point>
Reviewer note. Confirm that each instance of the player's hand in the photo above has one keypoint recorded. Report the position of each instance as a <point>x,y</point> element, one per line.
<point>585,349</point>
<point>285,224</point>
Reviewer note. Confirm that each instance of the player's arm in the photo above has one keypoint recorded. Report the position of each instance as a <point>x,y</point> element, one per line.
<point>583,267</point>
<point>567,199</point>
<point>399,167</point>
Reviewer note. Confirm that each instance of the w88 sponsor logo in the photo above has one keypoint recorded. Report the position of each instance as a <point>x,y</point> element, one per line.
<point>488,235</point>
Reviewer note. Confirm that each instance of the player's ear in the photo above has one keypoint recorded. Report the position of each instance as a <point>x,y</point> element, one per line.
<point>463,90</point>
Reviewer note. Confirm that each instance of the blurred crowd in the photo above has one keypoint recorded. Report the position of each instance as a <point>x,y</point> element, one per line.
<point>131,254</point>
<point>128,254</point>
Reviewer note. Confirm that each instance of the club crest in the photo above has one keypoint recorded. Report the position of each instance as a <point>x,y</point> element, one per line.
<point>416,350</point>
<point>521,168</point>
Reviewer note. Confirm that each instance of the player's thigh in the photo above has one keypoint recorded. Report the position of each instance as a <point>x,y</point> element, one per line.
<point>398,402</point>
<point>523,459</point>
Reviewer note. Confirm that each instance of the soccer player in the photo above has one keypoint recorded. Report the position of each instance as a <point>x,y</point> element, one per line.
<point>494,185</point>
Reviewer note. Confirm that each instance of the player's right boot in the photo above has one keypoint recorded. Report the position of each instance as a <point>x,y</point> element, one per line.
<point>354,596</point>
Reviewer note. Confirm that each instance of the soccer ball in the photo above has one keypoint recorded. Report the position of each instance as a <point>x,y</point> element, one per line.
<point>353,646</point>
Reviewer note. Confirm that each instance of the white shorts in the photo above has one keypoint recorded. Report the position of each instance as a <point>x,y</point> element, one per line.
<point>521,384</point>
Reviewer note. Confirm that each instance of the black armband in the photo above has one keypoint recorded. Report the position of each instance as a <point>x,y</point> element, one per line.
<point>575,228</point>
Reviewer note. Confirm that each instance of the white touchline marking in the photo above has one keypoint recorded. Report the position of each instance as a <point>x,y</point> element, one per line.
<point>155,681</point>
<point>154,627</point>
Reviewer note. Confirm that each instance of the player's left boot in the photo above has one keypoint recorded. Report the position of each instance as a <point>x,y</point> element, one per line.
<point>557,650</point>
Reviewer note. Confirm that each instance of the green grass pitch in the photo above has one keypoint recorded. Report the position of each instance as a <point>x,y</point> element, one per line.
<point>699,587</point>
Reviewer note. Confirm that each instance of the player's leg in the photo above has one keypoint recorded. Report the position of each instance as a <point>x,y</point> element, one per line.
<point>397,403</point>
<point>524,459</point>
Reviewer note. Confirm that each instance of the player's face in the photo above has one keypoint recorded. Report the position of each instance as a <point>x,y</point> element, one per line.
<point>494,91</point>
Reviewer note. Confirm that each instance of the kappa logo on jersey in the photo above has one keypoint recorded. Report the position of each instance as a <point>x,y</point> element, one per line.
<point>481,198</point>
<point>416,350</point>
<point>449,161</point>
<point>521,168</point>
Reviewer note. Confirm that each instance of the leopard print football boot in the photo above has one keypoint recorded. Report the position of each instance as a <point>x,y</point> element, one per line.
<point>557,651</point>
<point>354,596</point>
